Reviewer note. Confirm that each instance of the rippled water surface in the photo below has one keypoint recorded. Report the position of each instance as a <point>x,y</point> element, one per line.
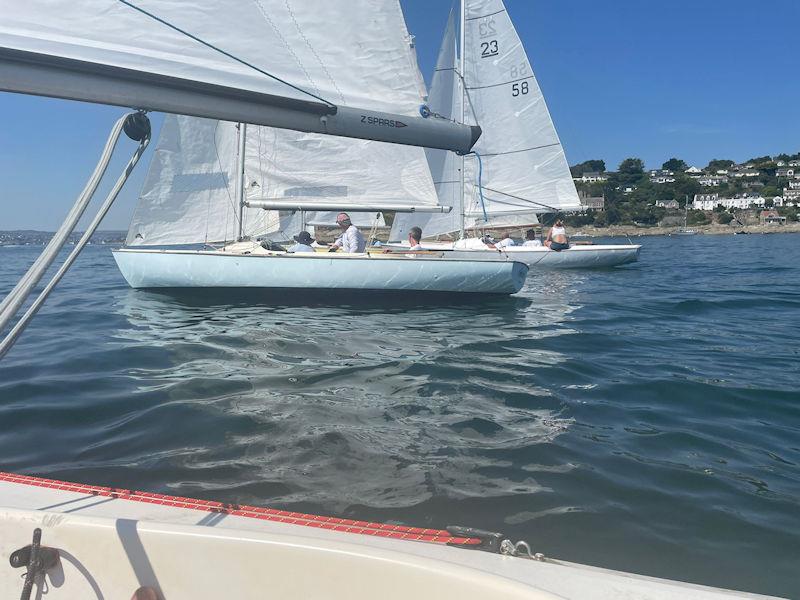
<point>645,418</point>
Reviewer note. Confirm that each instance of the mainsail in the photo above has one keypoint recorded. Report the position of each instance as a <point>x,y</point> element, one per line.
<point>189,195</point>
<point>231,60</point>
<point>524,169</point>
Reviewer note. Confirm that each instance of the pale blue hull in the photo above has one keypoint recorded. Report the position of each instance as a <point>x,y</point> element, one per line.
<point>320,271</point>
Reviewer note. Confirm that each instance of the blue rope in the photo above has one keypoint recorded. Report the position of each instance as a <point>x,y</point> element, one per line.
<point>480,185</point>
<point>223,52</point>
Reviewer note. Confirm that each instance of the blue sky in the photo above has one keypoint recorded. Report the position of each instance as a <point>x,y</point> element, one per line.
<point>696,79</point>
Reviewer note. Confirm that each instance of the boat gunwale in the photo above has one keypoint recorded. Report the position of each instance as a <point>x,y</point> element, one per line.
<point>319,255</point>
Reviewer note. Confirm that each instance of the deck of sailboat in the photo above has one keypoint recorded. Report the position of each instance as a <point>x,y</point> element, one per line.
<point>111,541</point>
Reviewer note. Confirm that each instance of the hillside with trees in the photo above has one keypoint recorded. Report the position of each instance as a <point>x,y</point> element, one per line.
<point>636,196</point>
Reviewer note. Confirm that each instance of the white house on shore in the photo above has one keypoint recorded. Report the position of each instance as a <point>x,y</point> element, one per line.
<point>668,204</point>
<point>711,201</point>
<point>747,172</point>
<point>712,180</point>
<point>592,177</point>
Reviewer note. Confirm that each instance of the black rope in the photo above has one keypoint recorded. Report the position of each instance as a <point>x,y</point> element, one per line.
<point>553,208</point>
<point>224,53</point>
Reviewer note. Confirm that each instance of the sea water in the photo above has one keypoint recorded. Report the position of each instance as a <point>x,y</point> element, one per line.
<point>644,418</point>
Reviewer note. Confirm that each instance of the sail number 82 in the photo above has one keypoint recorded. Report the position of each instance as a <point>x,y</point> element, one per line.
<point>519,88</point>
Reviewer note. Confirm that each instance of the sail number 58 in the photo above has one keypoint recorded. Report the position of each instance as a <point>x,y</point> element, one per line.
<point>519,88</point>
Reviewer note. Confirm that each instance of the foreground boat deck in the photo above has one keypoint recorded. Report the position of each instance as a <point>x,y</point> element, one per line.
<point>113,541</point>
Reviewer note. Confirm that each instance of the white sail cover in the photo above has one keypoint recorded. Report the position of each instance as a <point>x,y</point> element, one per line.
<point>525,171</point>
<point>189,195</point>
<point>524,166</point>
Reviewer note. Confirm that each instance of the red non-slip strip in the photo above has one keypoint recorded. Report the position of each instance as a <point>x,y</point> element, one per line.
<point>254,512</point>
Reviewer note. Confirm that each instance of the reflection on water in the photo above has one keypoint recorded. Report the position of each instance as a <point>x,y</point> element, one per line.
<point>341,396</point>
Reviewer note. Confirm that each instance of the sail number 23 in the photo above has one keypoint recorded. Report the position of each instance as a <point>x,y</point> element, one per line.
<point>487,29</point>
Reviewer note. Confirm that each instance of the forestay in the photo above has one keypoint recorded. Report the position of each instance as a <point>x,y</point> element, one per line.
<point>524,166</point>
<point>189,195</point>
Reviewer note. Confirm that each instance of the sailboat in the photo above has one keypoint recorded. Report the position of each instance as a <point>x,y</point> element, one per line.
<point>685,230</point>
<point>84,541</point>
<point>220,188</point>
<point>518,168</point>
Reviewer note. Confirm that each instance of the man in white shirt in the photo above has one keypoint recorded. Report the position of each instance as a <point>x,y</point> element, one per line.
<point>531,239</point>
<point>351,239</point>
<point>505,242</point>
<point>414,237</point>
<point>303,244</point>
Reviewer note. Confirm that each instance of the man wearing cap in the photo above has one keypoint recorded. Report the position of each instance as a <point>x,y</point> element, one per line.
<point>351,239</point>
<point>303,244</point>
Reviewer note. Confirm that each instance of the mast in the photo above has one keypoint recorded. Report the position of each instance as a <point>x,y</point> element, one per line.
<point>463,87</point>
<point>240,184</point>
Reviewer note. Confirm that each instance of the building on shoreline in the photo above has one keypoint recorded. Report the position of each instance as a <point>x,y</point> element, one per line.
<point>711,201</point>
<point>771,217</point>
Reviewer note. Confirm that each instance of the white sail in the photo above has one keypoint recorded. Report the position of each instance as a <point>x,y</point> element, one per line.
<point>444,100</point>
<point>377,66</point>
<point>525,171</point>
<point>524,166</point>
<point>221,59</point>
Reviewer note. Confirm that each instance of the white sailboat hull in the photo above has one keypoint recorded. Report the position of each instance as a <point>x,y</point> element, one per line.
<point>111,542</point>
<point>578,256</point>
<point>317,271</point>
<point>575,257</point>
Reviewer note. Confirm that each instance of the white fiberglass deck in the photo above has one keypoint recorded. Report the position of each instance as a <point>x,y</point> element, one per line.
<point>317,271</point>
<point>110,543</point>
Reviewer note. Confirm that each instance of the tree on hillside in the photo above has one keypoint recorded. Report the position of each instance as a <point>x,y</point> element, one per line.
<point>588,166</point>
<point>675,164</point>
<point>758,160</point>
<point>631,166</point>
<point>724,218</point>
<point>717,164</point>
<point>769,191</point>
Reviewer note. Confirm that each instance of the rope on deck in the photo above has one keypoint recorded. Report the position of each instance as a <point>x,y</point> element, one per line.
<point>398,532</point>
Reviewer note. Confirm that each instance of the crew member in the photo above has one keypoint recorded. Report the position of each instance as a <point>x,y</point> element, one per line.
<point>304,241</point>
<point>531,239</point>
<point>506,241</point>
<point>351,240</point>
<point>557,237</point>
<point>414,237</point>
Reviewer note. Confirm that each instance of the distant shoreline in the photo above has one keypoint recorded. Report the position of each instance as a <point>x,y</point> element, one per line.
<point>714,229</point>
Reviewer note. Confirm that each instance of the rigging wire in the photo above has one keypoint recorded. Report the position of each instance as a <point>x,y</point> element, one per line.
<point>224,53</point>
